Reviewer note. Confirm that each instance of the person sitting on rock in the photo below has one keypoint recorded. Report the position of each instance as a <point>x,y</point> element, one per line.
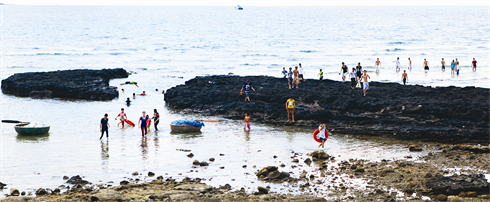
<point>130,83</point>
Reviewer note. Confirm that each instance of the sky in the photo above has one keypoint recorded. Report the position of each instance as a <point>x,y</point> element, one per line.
<point>245,3</point>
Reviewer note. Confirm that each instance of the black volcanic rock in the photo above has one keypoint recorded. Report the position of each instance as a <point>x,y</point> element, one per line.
<point>71,84</point>
<point>412,112</point>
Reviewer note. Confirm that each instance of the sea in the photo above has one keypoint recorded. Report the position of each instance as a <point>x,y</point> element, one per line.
<point>165,46</point>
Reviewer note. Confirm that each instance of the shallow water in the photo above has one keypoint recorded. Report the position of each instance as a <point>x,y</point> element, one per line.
<point>166,46</point>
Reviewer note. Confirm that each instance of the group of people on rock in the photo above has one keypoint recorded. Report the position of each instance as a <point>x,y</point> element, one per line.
<point>294,76</point>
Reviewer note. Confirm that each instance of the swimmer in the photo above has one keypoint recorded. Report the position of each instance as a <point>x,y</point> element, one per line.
<point>128,102</point>
<point>130,83</point>
<point>142,94</point>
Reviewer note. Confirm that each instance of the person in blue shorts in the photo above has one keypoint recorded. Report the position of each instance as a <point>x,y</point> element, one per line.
<point>246,88</point>
<point>365,78</point>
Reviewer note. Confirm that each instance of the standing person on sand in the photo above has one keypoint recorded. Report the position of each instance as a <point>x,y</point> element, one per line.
<point>247,86</point>
<point>443,65</point>
<point>409,64</point>
<point>290,78</point>
<point>156,118</point>
<point>344,71</point>
<point>284,72</point>
<point>321,135</point>
<point>301,72</point>
<point>123,117</point>
<point>247,122</point>
<point>290,104</point>
<point>296,76</point>
<point>104,126</point>
<point>353,78</point>
<point>365,77</point>
<point>473,64</point>
<point>426,65</point>
<point>142,124</point>
<point>404,77</point>
<point>378,64</point>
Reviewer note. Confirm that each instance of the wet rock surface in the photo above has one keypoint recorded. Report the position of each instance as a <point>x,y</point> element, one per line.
<point>453,185</point>
<point>441,114</point>
<point>69,84</point>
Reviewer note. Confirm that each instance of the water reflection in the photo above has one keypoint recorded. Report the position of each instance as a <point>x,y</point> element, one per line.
<point>247,135</point>
<point>104,146</point>
<point>33,138</point>
<point>144,147</point>
<point>187,135</point>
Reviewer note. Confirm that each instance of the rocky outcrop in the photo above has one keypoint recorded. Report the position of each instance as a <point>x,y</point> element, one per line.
<point>70,84</point>
<point>414,112</point>
<point>453,185</point>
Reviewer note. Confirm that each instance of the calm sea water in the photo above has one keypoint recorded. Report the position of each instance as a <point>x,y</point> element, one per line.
<point>166,46</point>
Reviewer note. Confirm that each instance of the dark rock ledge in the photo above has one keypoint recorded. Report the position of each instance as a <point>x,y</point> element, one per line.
<point>413,112</point>
<point>69,84</point>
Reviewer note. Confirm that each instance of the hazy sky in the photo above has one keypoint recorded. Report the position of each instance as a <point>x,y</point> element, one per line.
<point>252,2</point>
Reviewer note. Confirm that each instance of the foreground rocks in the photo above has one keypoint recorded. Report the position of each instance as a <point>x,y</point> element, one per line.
<point>433,177</point>
<point>70,84</point>
<point>442,114</point>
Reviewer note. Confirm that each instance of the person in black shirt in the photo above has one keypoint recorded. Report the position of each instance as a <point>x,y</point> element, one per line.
<point>104,126</point>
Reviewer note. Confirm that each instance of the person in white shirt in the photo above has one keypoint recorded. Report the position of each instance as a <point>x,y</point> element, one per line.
<point>322,135</point>
<point>301,71</point>
<point>397,64</point>
<point>353,78</point>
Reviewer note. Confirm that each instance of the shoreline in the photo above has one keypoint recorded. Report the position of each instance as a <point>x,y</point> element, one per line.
<point>387,180</point>
<point>390,110</point>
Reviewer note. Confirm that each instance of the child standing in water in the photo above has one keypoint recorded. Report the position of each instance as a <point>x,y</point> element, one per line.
<point>321,135</point>
<point>247,122</point>
<point>148,121</point>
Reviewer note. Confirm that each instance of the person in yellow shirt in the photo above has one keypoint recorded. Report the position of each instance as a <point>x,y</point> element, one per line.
<point>290,107</point>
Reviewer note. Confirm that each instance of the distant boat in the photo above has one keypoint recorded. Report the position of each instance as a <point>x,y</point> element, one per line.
<point>31,129</point>
<point>238,7</point>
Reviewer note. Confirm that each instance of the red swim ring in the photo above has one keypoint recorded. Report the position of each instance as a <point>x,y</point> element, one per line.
<point>316,138</point>
<point>129,122</point>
